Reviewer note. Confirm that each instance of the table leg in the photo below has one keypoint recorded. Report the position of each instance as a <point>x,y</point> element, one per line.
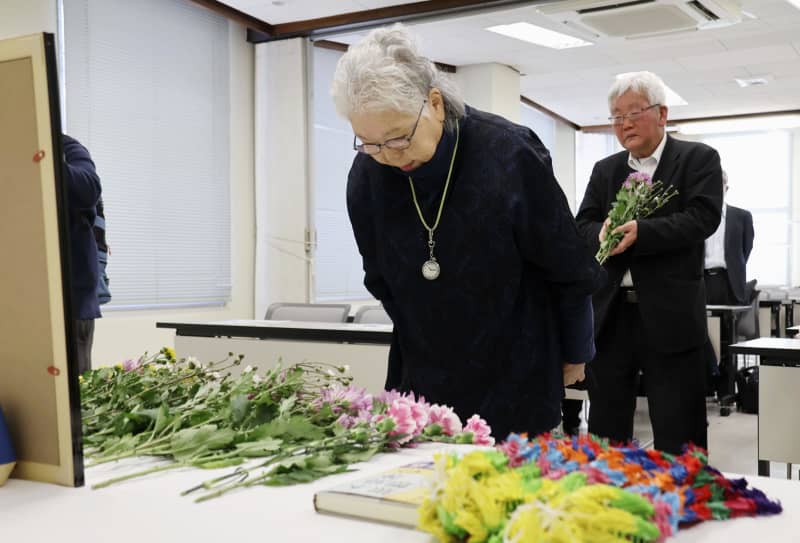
<point>727,389</point>
<point>775,310</point>
<point>763,468</point>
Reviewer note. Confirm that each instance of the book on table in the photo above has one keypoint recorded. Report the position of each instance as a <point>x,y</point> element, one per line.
<point>391,496</point>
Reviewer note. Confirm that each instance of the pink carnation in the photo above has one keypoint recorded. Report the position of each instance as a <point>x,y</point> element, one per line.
<point>481,433</point>
<point>445,417</point>
<point>404,423</point>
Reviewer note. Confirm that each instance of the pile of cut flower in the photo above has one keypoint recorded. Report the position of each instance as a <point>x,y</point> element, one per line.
<point>286,426</point>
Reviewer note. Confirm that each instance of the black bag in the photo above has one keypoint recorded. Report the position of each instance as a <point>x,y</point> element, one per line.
<point>747,387</point>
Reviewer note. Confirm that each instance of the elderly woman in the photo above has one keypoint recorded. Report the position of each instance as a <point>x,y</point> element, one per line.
<point>466,239</point>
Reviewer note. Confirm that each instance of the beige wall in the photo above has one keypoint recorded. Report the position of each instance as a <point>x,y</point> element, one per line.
<point>21,17</point>
<point>490,87</point>
<point>126,334</point>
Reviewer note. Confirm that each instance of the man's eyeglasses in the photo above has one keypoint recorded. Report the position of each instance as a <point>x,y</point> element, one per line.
<point>617,120</point>
<point>397,144</point>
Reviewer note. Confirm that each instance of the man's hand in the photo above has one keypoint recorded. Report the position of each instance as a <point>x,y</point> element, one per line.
<point>629,232</point>
<point>602,235</point>
<point>573,373</point>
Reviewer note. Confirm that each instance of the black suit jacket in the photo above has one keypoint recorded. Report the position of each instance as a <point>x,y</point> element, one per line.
<point>738,244</point>
<point>666,261</point>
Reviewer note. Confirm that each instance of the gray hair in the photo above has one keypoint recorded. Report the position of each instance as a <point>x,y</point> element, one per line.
<point>645,83</point>
<point>385,71</point>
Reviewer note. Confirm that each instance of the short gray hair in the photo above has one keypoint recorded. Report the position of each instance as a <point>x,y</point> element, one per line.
<point>645,83</point>
<point>385,71</point>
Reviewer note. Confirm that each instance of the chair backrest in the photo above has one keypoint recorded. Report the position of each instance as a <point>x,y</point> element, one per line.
<point>372,314</point>
<point>747,326</point>
<point>308,312</point>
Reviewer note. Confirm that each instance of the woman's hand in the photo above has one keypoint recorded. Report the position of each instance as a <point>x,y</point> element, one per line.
<point>573,373</point>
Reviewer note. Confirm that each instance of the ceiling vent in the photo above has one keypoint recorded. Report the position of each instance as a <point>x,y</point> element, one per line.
<point>642,18</point>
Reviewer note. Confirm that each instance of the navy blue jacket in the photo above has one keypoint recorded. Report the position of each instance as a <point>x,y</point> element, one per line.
<point>83,193</point>
<point>512,303</point>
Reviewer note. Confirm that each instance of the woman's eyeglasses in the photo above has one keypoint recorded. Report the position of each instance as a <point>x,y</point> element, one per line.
<point>397,144</point>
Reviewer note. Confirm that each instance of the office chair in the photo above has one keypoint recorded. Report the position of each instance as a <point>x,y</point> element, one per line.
<point>747,325</point>
<point>308,312</point>
<point>372,314</point>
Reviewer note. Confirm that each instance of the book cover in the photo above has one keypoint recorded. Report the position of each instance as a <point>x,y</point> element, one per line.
<point>391,496</point>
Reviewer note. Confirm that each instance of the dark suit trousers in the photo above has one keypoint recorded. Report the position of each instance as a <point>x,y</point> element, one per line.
<point>84,337</point>
<point>674,384</point>
<point>718,288</point>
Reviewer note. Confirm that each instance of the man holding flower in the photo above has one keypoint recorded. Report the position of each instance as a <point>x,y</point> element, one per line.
<point>650,316</point>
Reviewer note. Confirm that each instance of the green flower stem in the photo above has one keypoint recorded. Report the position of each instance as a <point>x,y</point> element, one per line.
<point>328,444</point>
<point>121,478</point>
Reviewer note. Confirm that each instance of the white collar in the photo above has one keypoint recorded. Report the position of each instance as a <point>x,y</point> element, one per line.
<point>634,162</point>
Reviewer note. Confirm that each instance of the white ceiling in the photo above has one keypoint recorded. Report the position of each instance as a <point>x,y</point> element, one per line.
<point>699,65</point>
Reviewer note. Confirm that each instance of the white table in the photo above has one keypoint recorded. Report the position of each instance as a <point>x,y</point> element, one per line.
<point>778,386</point>
<point>151,510</point>
<point>363,347</point>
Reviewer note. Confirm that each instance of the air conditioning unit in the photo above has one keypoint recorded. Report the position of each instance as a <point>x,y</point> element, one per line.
<point>642,18</point>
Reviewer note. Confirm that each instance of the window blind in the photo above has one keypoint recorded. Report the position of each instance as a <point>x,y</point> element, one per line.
<point>147,92</point>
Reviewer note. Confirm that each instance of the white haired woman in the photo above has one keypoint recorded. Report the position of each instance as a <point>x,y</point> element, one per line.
<point>466,239</point>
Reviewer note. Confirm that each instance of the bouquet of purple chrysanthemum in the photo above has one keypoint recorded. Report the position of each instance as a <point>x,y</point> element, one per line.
<point>638,198</point>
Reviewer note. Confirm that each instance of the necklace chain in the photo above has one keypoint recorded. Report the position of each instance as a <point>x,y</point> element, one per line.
<point>431,229</point>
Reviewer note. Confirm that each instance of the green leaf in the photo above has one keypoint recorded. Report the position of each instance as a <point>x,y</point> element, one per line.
<point>353,457</point>
<point>263,447</point>
<point>162,418</point>
<point>286,406</point>
<point>199,416</point>
<point>239,408</point>
<point>220,439</point>
<point>302,475</point>
<point>190,442</point>
<point>296,428</point>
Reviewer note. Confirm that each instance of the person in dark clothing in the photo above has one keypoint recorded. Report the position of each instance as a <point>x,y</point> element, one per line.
<point>651,316</point>
<point>83,195</point>
<point>466,239</point>
<point>727,251</point>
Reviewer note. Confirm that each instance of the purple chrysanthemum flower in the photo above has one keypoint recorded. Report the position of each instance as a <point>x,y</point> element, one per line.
<point>348,400</point>
<point>132,365</point>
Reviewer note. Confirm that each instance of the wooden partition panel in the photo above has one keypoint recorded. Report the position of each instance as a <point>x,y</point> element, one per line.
<point>38,393</point>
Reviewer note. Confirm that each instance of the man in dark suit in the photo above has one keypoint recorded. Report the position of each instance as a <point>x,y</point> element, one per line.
<point>727,251</point>
<point>650,317</point>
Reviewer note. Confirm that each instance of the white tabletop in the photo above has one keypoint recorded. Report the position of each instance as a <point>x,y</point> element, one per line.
<point>310,325</point>
<point>151,510</point>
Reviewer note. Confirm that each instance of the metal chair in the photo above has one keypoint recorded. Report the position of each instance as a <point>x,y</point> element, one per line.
<point>308,312</point>
<point>372,314</point>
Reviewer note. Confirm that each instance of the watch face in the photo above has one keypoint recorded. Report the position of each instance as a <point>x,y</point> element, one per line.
<point>430,270</point>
